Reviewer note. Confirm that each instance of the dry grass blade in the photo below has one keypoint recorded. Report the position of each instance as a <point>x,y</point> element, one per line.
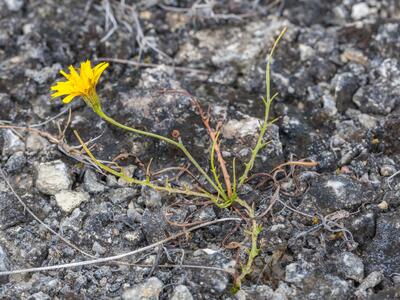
<point>119,256</point>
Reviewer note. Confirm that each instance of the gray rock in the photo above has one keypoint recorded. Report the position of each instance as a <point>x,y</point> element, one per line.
<point>387,170</point>
<point>74,221</point>
<point>90,183</point>
<point>372,280</point>
<point>53,177</point>
<point>154,226</point>
<point>98,249</point>
<point>330,193</point>
<point>360,11</point>
<point>298,271</point>
<point>363,228</point>
<point>69,200</point>
<point>4,264</point>
<point>225,76</point>
<point>14,5</point>
<point>12,143</point>
<point>16,162</point>
<point>210,281</point>
<point>351,266</point>
<point>149,290</point>
<point>381,95</point>
<point>39,296</point>
<point>35,143</point>
<point>11,212</point>
<point>181,292</point>
<point>345,86</point>
<point>42,75</point>
<point>151,198</point>
<point>382,253</point>
<point>375,99</point>
<point>122,195</point>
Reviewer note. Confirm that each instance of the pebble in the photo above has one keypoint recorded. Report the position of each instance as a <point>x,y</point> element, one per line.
<point>181,292</point>
<point>151,198</point>
<point>360,11</point>
<point>387,170</point>
<point>90,183</point>
<point>4,264</point>
<point>69,200</point>
<point>53,177</point>
<point>372,280</point>
<point>16,162</point>
<point>12,143</point>
<point>383,205</point>
<point>35,143</point>
<point>351,266</point>
<point>149,290</point>
<point>14,5</point>
<point>296,272</point>
<point>98,249</point>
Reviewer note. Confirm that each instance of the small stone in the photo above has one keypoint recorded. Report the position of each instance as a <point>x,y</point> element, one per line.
<point>382,253</point>
<point>151,197</point>
<point>372,280</point>
<point>383,205</point>
<point>181,292</point>
<point>345,86</point>
<point>12,143</point>
<point>16,162</point>
<point>133,237</point>
<point>90,183</point>
<point>98,249</point>
<point>14,5</point>
<point>351,266</point>
<point>4,264</point>
<point>225,76</point>
<point>68,200</point>
<point>128,171</point>
<point>387,170</point>
<point>360,11</point>
<point>149,290</point>
<point>53,177</point>
<point>35,143</point>
<point>39,296</point>
<point>298,271</point>
<point>74,221</point>
<point>122,195</point>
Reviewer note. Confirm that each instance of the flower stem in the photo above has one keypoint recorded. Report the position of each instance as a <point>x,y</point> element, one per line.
<point>179,144</point>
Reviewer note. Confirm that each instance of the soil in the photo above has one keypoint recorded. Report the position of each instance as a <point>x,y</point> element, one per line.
<point>333,234</point>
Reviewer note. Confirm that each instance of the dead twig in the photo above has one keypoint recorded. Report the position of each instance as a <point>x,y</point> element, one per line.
<point>119,256</point>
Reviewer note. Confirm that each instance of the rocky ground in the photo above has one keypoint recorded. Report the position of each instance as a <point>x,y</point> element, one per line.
<point>334,234</point>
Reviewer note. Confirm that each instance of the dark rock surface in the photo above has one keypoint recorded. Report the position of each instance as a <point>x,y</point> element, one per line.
<point>331,234</point>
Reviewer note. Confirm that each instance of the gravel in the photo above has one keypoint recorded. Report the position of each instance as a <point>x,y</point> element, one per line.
<point>332,232</point>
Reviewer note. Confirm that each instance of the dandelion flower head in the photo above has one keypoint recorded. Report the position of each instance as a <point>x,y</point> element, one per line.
<point>80,83</point>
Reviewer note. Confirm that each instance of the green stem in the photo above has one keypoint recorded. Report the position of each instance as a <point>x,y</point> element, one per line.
<point>179,145</point>
<point>267,102</point>
<point>254,250</point>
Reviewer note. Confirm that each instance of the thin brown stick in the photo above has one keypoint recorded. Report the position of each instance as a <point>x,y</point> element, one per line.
<point>206,121</point>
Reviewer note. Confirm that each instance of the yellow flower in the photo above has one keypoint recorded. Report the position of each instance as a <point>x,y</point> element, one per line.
<point>80,84</point>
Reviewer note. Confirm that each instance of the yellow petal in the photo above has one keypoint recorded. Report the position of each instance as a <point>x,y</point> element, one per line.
<point>65,74</point>
<point>98,70</point>
<point>69,98</point>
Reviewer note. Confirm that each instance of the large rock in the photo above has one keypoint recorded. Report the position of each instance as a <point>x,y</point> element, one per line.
<point>69,200</point>
<point>149,290</point>
<point>53,177</point>
<point>329,193</point>
<point>382,253</point>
